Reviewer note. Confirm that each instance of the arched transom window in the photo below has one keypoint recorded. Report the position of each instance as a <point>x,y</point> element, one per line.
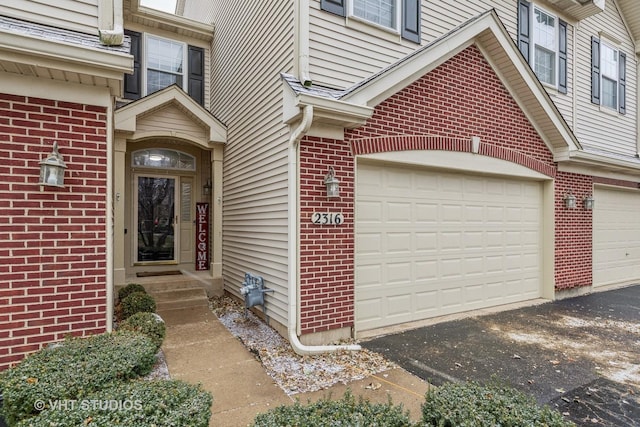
<point>163,158</point>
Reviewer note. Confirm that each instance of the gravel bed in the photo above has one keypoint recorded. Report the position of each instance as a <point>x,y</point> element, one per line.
<point>294,373</point>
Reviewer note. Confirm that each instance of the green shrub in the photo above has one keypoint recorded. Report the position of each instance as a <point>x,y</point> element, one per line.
<point>134,403</point>
<point>137,302</point>
<point>73,370</point>
<point>149,324</point>
<point>129,289</point>
<point>474,405</point>
<point>344,412</point>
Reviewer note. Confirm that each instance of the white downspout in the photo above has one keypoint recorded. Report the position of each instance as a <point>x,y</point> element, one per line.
<point>302,38</point>
<point>294,146</point>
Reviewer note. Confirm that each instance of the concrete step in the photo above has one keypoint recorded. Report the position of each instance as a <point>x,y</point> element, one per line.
<point>177,294</point>
<point>181,304</point>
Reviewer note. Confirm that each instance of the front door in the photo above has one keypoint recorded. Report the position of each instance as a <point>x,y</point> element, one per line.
<point>156,234</point>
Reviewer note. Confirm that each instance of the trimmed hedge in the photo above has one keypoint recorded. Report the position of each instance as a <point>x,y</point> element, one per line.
<point>344,412</point>
<point>129,289</point>
<point>137,302</point>
<point>135,403</point>
<point>149,324</point>
<point>73,370</point>
<point>473,405</point>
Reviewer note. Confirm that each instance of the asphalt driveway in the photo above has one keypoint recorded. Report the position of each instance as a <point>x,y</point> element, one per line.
<point>579,355</point>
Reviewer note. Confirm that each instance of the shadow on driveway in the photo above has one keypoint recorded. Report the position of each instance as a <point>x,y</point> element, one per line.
<point>579,355</point>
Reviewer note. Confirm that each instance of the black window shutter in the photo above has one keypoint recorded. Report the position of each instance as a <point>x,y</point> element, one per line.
<point>622,86</point>
<point>133,82</point>
<point>562,57</point>
<point>196,74</point>
<point>524,28</point>
<point>595,70</point>
<point>333,6</point>
<point>411,28</point>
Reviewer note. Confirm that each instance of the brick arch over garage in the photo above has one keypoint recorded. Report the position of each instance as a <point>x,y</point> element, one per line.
<point>442,143</point>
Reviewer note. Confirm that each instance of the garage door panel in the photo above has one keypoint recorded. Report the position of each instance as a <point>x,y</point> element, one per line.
<point>445,242</point>
<point>616,236</point>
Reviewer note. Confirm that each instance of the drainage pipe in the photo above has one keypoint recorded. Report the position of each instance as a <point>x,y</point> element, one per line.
<point>294,147</point>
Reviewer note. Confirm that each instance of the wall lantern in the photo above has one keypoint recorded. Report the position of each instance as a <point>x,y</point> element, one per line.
<point>206,188</point>
<point>52,169</point>
<point>570,200</point>
<point>332,184</point>
<point>588,202</point>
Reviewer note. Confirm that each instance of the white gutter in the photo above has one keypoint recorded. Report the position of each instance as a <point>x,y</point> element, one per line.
<point>294,146</point>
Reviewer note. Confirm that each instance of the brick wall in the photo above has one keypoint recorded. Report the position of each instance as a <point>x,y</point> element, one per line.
<point>326,251</point>
<point>52,241</point>
<point>440,111</point>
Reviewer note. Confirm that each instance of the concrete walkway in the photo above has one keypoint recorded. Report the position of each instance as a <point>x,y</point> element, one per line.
<point>199,349</point>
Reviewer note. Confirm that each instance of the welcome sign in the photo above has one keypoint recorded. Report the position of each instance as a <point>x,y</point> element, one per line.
<point>202,236</point>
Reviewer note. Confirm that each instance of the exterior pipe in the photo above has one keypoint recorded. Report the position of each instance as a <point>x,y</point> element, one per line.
<point>303,42</point>
<point>294,146</point>
<point>110,220</point>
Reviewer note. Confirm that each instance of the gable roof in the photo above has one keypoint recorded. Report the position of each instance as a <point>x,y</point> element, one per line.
<point>127,117</point>
<point>487,32</point>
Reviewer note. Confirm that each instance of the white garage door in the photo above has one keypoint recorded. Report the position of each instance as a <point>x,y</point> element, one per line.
<point>430,243</point>
<point>616,236</point>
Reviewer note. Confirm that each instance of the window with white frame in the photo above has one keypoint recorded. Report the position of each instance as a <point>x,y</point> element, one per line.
<point>381,12</point>
<point>401,16</point>
<point>542,40</point>
<point>165,63</point>
<point>545,46</point>
<point>609,73</point>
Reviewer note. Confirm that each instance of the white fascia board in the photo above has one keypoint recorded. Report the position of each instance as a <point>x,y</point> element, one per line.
<point>177,23</point>
<point>58,55</point>
<point>593,160</point>
<point>127,116</point>
<point>566,136</point>
<point>327,107</point>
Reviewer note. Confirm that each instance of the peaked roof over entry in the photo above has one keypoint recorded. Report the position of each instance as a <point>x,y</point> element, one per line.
<point>490,36</point>
<point>128,118</point>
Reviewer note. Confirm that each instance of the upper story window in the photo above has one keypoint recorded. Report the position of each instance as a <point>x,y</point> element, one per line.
<point>542,40</point>
<point>381,12</point>
<point>401,16</point>
<point>165,60</point>
<point>545,46</point>
<point>608,75</point>
<point>159,62</point>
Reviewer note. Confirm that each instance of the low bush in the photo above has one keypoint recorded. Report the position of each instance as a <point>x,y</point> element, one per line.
<point>344,412</point>
<point>137,302</point>
<point>129,289</point>
<point>473,405</point>
<point>134,403</point>
<point>149,324</point>
<point>72,370</point>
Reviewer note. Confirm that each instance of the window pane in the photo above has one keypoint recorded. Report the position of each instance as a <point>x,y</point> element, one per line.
<point>164,55</point>
<point>381,12</point>
<point>609,58</point>
<point>609,93</point>
<point>163,159</point>
<point>545,65</point>
<point>157,80</point>
<point>544,30</point>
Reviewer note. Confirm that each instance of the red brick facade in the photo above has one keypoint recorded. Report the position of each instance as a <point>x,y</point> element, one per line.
<point>442,110</point>
<point>52,241</point>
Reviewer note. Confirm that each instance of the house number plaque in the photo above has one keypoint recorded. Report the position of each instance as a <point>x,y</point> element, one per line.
<point>327,218</point>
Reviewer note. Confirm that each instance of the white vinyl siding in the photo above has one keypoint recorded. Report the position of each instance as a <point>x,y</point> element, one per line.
<point>430,243</point>
<point>247,97</point>
<point>343,54</point>
<point>616,236</point>
<point>599,127</point>
<point>75,15</point>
